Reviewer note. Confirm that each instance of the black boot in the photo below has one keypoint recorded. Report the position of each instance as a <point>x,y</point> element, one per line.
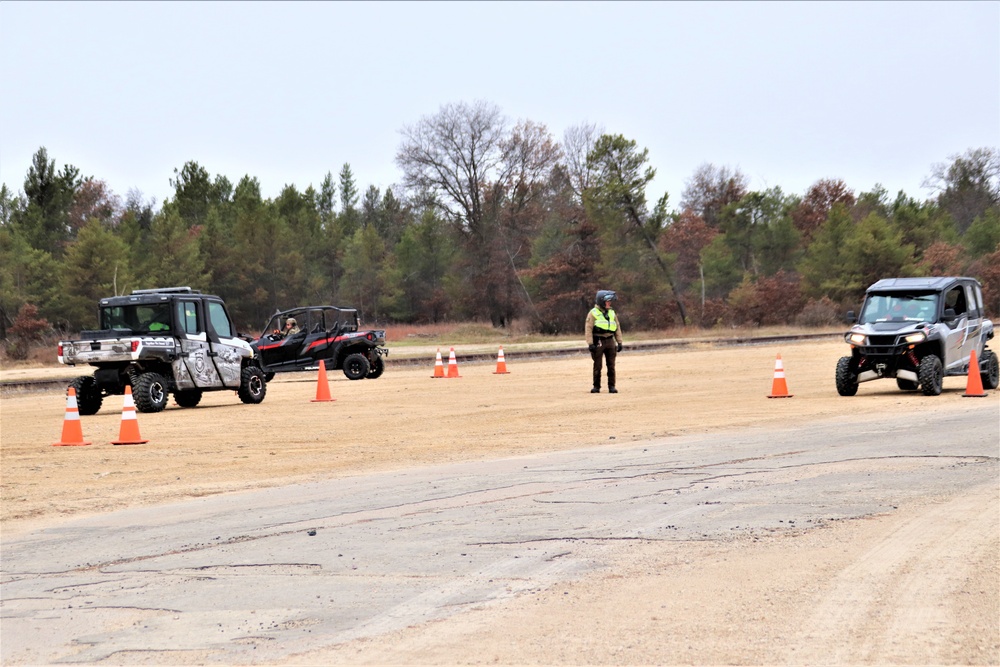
<point>612,390</point>
<point>595,390</point>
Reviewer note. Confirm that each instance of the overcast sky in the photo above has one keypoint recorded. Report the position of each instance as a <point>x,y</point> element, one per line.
<point>787,92</point>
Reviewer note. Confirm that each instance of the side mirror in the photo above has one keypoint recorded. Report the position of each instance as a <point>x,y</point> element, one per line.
<point>850,317</point>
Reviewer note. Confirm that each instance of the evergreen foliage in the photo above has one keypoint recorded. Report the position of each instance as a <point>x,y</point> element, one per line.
<point>496,222</point>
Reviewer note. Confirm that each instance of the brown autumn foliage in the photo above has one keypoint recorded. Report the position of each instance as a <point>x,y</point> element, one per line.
<point>93,199</point>
<point>814,208</point>
<point>28,328</point>
<point>942,259</point>
<point>772,300</point>
<point>559,279</point>
<point>713,188</point>
<point>987,269</point>
<point>684,240</point>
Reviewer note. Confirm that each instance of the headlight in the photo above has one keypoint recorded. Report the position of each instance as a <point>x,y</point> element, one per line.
<point>917,337</point>
<point>856,339</point>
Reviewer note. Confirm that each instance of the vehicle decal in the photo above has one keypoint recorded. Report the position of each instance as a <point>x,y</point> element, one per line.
<point>158,342</point>
<point>204,373</point>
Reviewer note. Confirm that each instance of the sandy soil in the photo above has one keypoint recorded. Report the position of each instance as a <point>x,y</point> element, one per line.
<point>918,586</point>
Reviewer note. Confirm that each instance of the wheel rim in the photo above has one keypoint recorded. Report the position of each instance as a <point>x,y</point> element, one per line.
<point>156,393</point>
<point>255,384</point>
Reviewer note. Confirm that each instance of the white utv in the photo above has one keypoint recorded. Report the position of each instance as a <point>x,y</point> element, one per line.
<point>172,340</point>
<point>918,330</point>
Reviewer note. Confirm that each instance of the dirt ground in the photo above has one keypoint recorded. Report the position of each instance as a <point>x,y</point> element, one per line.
<point>921,585</point>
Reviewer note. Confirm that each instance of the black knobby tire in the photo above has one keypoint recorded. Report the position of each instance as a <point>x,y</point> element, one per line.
<point>907,385</point>
<point>88,396</point>
<point>378,367</point>
<point>253,386</point>
<point>268,377</point>
<point>931,374</point>
<point>847,382</point>
<point>356,366</point>
<point>990,368</point>
<point>150,393</point>
<point>188,398</point>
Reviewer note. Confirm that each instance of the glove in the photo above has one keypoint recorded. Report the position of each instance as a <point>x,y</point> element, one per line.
<point>592,348</point>
<point>619,347</point>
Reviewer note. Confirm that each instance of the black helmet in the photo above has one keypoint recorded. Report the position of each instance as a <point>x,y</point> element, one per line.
<point>605,295</point>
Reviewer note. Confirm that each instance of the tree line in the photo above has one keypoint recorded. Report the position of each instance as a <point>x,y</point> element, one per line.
<point>495,221</point>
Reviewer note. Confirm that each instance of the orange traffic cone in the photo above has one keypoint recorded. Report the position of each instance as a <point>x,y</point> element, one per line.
<point>779,389</point>
<point>974,385</point>
<point>128,434</point>
<point>72,433</point>
<point>438,366</point>
<point>322,387</point>
<point>453,365</point>
<point>501,364</point>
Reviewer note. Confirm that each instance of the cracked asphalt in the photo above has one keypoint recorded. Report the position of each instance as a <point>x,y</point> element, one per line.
<point>419,521</point>
<point>264,575</point>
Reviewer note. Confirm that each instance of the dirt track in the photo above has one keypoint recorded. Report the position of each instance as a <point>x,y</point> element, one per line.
<point>918,586</point>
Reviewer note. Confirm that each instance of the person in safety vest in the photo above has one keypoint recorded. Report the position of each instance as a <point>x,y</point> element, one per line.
<point>603,333</point>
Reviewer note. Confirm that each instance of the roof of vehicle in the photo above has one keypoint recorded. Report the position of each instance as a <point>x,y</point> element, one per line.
<point>301,308</point>
<point>931,284</point>
<point>156,295</point>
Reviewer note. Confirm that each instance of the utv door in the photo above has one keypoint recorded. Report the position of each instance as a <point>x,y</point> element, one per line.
<point>282,352</point>
<point>974,325</point>
<point>195,368</point>
<point>226,350</point>
<point>962,331</point>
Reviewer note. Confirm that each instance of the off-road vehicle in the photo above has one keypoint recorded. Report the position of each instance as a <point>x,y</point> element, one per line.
<point>918,330</point>
<point>326,333</point>
<point>172,340</point>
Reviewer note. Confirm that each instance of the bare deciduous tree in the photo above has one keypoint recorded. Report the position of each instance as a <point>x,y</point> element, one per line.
<point>969,185</point>
<point>713,188</point>
<point>578,141</point>
<point>484,176</point>
<point>449,158</point>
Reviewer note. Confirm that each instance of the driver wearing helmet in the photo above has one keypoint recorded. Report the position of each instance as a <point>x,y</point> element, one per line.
<point>291,327</point>
<point>603,334</point>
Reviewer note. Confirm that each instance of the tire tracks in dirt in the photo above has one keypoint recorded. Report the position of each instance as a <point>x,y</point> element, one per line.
<point>897,599</point>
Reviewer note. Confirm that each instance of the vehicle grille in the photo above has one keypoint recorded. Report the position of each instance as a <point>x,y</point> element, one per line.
<point>882,345</point>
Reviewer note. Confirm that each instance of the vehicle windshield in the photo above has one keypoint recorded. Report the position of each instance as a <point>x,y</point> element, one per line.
<point>137,318</point>
<point>899,307</point>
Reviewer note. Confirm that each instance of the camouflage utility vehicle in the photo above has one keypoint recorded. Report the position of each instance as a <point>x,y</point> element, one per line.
<point>918,330</point>
<point>172,340</point>
<point>321,333</point>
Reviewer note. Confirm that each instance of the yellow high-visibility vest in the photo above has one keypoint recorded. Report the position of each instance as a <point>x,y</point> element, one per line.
<point>608,323</point>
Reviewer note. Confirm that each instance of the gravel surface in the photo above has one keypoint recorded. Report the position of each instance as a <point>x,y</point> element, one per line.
<point>910,578</point>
